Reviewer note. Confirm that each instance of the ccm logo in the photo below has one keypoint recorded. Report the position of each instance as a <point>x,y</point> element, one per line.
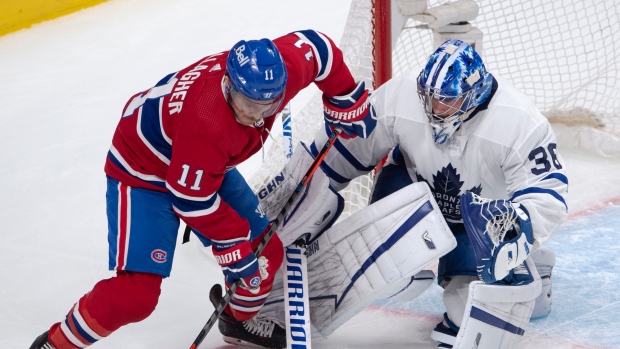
<point>230,257</point>
<point>159,256</point>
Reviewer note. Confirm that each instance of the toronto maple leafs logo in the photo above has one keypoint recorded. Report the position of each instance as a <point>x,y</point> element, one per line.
<point>446,187</point>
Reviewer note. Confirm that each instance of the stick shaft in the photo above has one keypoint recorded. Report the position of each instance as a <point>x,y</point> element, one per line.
<point>274,226</point>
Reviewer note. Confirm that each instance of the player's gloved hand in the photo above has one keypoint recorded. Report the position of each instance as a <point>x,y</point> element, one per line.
<point>500,233</point>
<point>351,113</point>
<point>238,262</point>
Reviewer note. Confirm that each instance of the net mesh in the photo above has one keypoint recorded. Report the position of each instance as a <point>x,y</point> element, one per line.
<point>561,53</point>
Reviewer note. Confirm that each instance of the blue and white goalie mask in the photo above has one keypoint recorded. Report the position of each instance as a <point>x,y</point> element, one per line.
<point>453,83</point>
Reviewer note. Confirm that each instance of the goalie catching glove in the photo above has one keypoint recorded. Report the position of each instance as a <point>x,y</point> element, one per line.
<point>352,113</point>
<point>500,232</point>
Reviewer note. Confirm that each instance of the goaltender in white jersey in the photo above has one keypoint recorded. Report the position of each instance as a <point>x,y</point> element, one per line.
<point>491,161</point>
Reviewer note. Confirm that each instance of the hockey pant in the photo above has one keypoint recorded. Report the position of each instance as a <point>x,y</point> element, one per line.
<point>378,252</point>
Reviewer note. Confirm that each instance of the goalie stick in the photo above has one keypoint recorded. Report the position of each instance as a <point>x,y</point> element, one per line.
<point>287,133</point>
<point>275,224</point>
<point>295,267</point>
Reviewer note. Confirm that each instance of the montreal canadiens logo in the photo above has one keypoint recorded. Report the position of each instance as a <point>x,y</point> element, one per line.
<point>159,256</point>
<point>255,281</point>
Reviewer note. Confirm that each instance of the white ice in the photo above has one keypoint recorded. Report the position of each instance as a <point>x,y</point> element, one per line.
<point>62,86</point>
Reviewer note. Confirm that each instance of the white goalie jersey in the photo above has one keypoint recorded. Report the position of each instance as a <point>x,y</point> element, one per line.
<point>506,150</point>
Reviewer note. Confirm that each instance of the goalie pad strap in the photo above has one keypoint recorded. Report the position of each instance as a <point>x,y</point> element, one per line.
<point>481,315</point>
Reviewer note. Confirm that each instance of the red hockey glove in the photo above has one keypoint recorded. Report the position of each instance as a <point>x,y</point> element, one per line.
<point>238,262</point>
<point>351,113</point>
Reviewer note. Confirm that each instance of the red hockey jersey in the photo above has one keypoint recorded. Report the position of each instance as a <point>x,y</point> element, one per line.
<point>181,136</point>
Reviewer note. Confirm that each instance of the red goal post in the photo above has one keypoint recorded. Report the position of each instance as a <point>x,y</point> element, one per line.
<point>564,54</point>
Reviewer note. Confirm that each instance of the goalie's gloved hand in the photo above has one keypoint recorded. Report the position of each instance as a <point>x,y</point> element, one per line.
<point>238,262</point>
<point>500,233</point>
<point>351,113</point>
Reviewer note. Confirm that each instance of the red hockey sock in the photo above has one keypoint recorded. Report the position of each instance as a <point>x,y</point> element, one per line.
<point>244,304</point>
<point>129,297</point>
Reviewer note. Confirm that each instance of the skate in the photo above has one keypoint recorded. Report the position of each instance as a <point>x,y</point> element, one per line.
<point>261,331</point>
<point>41,342</point>
<point>445,333</point>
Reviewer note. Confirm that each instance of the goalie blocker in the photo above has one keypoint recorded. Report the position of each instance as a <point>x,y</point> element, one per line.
<point>374,254</point>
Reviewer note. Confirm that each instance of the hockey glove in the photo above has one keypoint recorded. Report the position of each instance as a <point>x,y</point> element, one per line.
<point>500,233</point>
<point>238,262</point>
<point>352,113</point>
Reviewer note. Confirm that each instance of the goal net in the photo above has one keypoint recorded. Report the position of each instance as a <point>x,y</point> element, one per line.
<point>561,53</point>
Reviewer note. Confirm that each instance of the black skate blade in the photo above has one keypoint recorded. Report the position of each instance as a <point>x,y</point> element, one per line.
<point>215,295</point>
<point>240,343</point>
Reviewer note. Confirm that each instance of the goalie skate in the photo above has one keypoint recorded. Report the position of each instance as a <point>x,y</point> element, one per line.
<point>260,332</point>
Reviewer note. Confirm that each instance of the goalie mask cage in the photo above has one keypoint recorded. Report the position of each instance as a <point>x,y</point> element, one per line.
<point>564,54</point>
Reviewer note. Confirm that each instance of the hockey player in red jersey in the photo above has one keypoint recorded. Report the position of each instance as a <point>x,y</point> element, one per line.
<point>173,158</point>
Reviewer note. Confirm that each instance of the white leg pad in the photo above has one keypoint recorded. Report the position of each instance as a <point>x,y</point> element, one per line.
<point>373,255</point>
<point>545,261</point>
<point>409,289</point>
<point>496,315</point>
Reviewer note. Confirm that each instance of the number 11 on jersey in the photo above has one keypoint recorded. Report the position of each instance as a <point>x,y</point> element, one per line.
<point>183,179</point>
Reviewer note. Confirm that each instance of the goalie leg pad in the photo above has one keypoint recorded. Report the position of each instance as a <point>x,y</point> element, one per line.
<point>409,289</point>
<point>496,315</point>
<point>545,261</point>
<point>372,255</point>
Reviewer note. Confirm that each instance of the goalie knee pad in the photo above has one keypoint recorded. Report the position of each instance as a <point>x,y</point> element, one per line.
<point>496,314</point>
<point>545,261</point>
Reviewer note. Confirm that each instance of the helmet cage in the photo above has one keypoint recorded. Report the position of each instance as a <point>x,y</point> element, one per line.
<point>429,94</point>
<point>238,101</point>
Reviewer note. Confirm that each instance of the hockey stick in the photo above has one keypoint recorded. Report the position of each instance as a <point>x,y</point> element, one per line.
<point>287,133</point>
<point>275,224</point>
<point>300,322</point>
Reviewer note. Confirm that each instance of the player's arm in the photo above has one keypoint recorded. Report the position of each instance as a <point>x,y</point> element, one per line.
<point>195,175</point>
<point>537,180</point>
<point>353,157</point>
<point>505,232</point>
<point>312,56</point>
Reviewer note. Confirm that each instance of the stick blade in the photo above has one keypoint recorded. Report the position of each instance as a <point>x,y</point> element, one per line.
<point>215,295</point>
